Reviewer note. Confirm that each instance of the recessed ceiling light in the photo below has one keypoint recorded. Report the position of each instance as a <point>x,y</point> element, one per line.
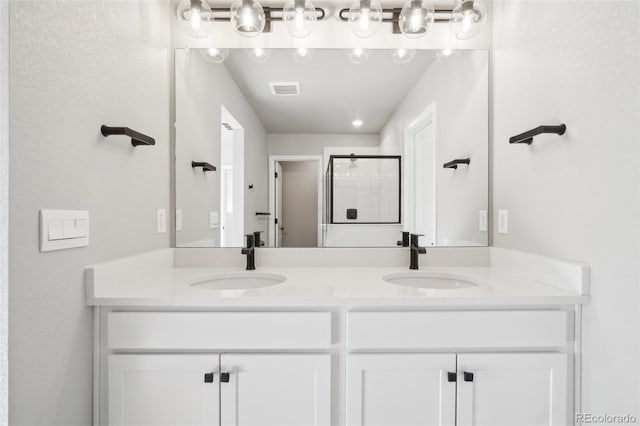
<point>356,123</point>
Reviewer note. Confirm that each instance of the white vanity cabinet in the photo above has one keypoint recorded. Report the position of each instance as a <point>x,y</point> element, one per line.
<point>227,390</point>
<point>489,389</point>
<point>523,376</point>
<point>336,366</point>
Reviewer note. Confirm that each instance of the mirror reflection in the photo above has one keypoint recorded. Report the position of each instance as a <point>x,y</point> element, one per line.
<point>331,147</point>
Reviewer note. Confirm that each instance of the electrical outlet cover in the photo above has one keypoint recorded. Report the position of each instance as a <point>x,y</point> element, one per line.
<point>503,221</point>
<point>161,221</point>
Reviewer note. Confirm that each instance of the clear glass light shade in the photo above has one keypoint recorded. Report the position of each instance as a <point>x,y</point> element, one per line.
<point>300,17</point>
<point>247,17</point>
<point>358,56</point>
<point>365,16</point>
<point>195,18</point>
<point>302,55</point>
<point>215,55</point>
<point>258,55</point>
<point>467,19</point>
<point>402,56</point>
<point>416,18</point>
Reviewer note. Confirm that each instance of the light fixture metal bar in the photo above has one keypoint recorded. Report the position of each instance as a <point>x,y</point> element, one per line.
<point>393,16</point>
<point>271,14</point>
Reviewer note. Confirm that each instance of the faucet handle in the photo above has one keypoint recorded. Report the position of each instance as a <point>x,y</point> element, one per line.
<point>251,240</point>
<point>405,239</point>
<point>257,239</point>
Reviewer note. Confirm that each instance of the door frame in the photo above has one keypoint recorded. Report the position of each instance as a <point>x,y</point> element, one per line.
<point>425,118</point>
<point>272,202</point>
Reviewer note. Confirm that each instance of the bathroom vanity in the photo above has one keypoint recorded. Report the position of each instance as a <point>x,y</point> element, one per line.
<point>477,336</point>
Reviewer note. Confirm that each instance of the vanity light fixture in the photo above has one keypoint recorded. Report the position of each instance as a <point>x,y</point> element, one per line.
<point>364,17</point>
<point>467,19</point>
<point>358,56</point>
<point>214,54</point>
<point>195,17</point>
<point>402,55</point>
<point>258,55</point>
<point>300,17</point>
<point>302,55</point>
<point>416,18</point>
<point>248,17</point>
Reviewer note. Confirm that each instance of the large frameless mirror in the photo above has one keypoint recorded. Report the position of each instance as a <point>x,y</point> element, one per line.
<point>331,147</point>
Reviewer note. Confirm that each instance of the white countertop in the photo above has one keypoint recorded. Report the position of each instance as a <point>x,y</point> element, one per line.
<point>155,282</point>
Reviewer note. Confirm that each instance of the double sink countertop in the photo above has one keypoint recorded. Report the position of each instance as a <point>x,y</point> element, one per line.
<point>336,277</point>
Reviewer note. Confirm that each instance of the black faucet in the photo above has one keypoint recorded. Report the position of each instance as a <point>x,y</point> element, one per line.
<point>415,250</point>
<point>257,239</point>
<point>250,251</point>
<point>405,240</point>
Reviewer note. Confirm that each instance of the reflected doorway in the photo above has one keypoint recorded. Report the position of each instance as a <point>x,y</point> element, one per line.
<point>295,203</point>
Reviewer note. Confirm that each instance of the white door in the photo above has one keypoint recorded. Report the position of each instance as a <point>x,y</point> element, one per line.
<point>279,231</point>
<point>401,390</point>
<point>276,390</point>
<point>424,196</point>
<point>513,390</point>
<point>163,390</point>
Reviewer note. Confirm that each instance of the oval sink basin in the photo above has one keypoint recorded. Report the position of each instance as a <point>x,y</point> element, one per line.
<point>237,281</point>
<point>429,280</point>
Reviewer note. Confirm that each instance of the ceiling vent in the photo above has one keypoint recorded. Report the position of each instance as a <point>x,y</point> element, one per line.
<point>286,88</point>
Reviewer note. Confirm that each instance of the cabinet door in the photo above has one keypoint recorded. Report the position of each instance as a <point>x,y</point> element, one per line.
<point>163,390</point>
<point>513,390</point>
<point>400,390</point>
<point>276,390</point>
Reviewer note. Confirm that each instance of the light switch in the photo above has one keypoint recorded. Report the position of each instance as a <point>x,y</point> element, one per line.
<point>63,229</point>
<point>213,220</point>
<point>503,221</point>
<point>178,220</point>
<point>483,221</point>
<point>161,221</point>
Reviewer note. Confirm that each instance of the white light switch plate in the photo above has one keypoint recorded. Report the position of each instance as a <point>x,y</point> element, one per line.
<point>483,221</point>
<point>178,220</point>
<point>161,221</point>
<point>213,220</point>
<point>503,221</point>
<point>63,229</point>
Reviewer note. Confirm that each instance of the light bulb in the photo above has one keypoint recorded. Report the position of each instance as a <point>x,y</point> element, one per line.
<point>302,55</point>
<point>358,56</point>
<point>445,53</point>
<point>247,17</point>
<point>467,19</point>
<point>258,55</point>
<point>195,18</point>
<point>300,17</point>
<point>214,54</point>
<point>416,17</point>
<point>402,56</point>
<point>365,17</point>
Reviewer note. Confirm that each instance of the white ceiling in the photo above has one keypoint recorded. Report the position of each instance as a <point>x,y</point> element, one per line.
<point>334,91</point>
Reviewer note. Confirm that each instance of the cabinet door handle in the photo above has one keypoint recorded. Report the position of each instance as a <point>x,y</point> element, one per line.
<point>468,377</point>
<point>224,377</point>
<point>208,377</point>
<point>452,377</point>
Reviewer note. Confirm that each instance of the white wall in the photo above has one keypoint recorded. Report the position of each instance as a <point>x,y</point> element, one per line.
<point>458,87</point>
<point>201,89</point>
<point>75,66</point>
<point>4,213</point>
<point>576,196</point>
<point>315,144</point>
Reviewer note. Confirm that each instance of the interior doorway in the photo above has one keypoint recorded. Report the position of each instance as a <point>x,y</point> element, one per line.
<point>295,202</point>
<point>231,213</point>
<point>420,153</point>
